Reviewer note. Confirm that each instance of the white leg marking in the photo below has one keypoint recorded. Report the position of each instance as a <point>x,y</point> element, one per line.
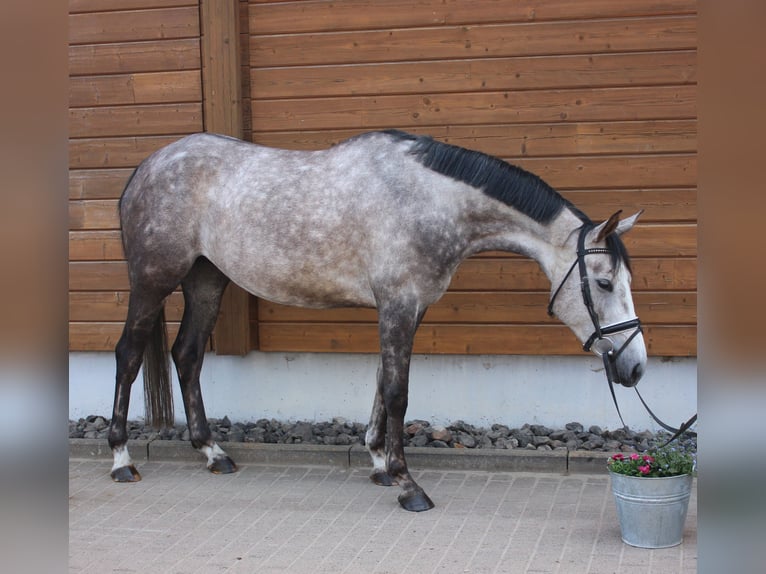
<point>121,458</point>
<point>378,455</point>
<point>212,453</point>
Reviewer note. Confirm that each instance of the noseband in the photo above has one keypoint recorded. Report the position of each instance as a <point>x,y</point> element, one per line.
<point>599,341</point>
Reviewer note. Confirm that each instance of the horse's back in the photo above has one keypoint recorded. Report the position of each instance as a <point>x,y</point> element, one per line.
<point>297,227</point>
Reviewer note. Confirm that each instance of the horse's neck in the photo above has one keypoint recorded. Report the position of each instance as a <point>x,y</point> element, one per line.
<point>541,242</point>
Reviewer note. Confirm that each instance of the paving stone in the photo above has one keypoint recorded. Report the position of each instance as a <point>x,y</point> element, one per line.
<point>308,518</point>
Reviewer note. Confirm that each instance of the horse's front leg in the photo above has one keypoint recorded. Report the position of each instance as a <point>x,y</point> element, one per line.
<point>397,331</point>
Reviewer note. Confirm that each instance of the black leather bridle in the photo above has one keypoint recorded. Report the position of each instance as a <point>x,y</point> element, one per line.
<point>600,342</point>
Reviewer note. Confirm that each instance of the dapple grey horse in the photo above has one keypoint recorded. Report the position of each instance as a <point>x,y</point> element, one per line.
<point>380,220</point>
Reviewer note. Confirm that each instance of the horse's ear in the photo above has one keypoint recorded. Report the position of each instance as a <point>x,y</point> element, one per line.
<point>614,225</point>
<point>607,227</point>
<point>627,224</point>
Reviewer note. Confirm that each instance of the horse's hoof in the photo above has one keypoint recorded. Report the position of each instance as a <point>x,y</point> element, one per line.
<point>382,478</point>
<point>125,474</point>
<point>222,465</point>
<point>415,501</point>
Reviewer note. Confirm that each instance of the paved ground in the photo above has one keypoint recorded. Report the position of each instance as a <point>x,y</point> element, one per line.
<point>309,519</point>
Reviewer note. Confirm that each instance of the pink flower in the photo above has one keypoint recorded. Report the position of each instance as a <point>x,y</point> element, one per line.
<point>634,456</point>
<point>644,469</point>
<point>648,458</point>
<point>618,456</point>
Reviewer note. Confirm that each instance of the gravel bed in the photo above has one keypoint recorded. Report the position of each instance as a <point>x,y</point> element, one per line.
<point>418,433</point>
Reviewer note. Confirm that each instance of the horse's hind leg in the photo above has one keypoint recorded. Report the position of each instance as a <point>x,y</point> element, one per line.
<point>144,319</point>
<point>203,288</point>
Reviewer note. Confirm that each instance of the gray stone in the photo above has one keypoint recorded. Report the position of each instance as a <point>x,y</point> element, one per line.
<point>539,441</point>
<point>540,430</point>
<point>343,439</point>
<point>558,435</point>
<point>466,440</point>
<point>594,442</point>
<point>236,435</point>
<point>484,442</point>
<point>576,427</point>
<point>420,439</point>
<point>441,434</point>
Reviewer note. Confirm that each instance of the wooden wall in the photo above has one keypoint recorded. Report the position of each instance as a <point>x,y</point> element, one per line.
<point>135,86</point>
<point>598,97</point>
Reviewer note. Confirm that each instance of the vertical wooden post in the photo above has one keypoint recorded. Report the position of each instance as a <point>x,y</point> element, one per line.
<point>222,113</point>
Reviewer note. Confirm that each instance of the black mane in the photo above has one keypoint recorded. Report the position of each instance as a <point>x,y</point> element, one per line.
<point>508,183</point>
<point>505,182</point>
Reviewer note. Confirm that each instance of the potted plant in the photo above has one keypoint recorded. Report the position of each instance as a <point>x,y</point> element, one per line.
<point>651,491</point>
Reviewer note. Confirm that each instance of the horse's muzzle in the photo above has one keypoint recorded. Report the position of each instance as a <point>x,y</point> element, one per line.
<point>616,371</point>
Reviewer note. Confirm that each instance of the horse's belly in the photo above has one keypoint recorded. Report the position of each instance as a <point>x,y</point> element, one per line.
<point>302,288</point>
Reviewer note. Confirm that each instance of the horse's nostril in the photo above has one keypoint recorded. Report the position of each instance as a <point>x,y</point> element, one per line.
<point>636,374</point>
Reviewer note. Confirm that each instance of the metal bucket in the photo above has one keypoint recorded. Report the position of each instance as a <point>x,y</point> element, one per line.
<point>652,511</point>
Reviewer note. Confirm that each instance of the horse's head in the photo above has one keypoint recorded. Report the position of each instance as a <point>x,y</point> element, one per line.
<point>591,294</point>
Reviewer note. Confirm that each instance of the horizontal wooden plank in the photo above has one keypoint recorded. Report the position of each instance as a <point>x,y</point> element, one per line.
<point>97,184</point>
<point>123,89</point>
<point>134,57</point>
<point>474,274</point>
<point>653,170</point>
<point>671,205</point>
<point>473,42</point>
<point>94,214</point>
<point>673,308</point>
<point>113,152</point>
<point>98,276</point>
<point>95,246</point>
<point>576,105</point>
<point>103,336</point>
<point>659,205</point>
<point>134,25</point>
<point>445,339</point>
<point>662,240</point>
<point>645,240</point>
<point>98,306</point>
<point>676,205</point>
<point>271,17</point>
<point>159,119</point>
<point>488,74</point>
<point>661,340</point>
<point>77,6</point>
<point>506,274</point>
<point>527,140</point>
<point>609,172</point>
<point>513,142</point>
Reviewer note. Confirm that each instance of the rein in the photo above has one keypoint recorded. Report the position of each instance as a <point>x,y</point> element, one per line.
<point>600,342</point>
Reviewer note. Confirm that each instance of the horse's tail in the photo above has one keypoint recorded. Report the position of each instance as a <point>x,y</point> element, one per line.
<point>158,390</point>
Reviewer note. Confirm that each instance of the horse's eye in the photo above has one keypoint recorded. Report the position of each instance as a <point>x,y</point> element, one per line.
<point>605,284</point>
